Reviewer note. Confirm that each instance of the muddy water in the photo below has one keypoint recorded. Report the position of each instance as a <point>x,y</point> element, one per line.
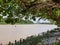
<point>15,32</point>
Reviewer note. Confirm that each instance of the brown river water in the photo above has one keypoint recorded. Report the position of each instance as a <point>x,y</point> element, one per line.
<point>15,32</point>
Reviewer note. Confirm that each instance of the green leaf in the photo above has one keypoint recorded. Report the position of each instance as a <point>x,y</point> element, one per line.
<point>0,0</point>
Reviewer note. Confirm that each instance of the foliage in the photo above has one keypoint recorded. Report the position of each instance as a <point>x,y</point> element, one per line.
<point>56,1</point>
<point>12,10</point>
<point>37,8</point>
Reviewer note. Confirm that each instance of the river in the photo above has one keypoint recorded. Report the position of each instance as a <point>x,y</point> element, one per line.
<point>15,32</point>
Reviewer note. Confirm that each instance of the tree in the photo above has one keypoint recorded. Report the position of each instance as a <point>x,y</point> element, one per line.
<point>57,43</point>
<point>57,1</point>
<point>9,43</point>
<point>1,44</point>
<point>48,9</point>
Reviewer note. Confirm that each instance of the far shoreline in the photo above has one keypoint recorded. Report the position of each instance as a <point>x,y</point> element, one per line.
<point>28,24</point>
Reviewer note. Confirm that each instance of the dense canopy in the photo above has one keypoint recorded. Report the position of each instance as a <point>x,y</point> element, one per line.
<point>17,9</point>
